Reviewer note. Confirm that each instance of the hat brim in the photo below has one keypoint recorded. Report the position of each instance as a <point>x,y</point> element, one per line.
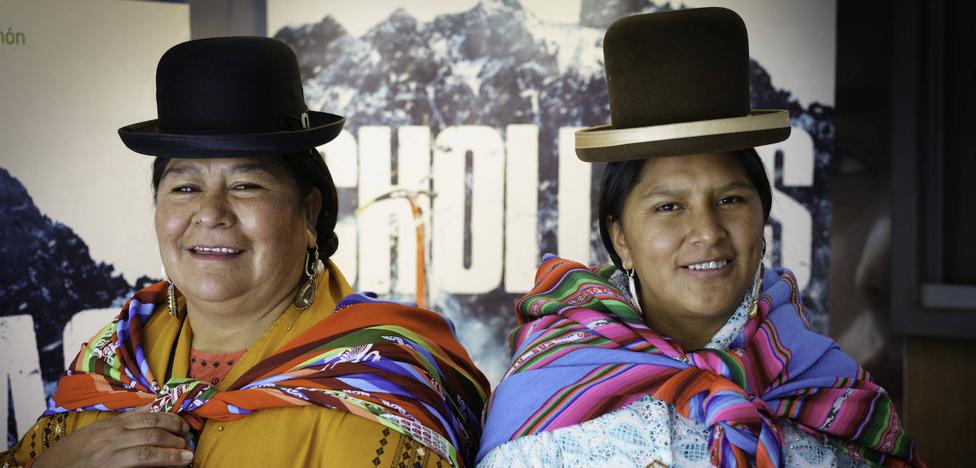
<point>606,144</point>
<point>146,138</point>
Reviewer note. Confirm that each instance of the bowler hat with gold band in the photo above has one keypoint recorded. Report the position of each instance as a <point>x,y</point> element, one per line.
<point>679,84</point>
<point>230,96</point>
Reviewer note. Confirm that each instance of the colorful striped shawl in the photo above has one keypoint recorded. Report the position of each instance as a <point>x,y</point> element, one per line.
<point>397,365</point>
<point>581,350</point>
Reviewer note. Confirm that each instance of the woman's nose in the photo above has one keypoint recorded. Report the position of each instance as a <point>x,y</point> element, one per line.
<point>213,210</point>
<point>706,227</point>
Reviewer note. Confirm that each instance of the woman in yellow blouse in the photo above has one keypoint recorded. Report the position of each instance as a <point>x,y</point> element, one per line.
<point>254,352</point>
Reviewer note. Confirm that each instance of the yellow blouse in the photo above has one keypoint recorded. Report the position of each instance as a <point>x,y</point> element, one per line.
<point>298,436</point>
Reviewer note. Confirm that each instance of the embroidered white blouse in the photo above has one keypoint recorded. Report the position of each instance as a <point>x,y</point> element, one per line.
<point>650,432</point>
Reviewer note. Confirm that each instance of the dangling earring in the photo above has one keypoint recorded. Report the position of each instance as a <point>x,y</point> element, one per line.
<point>757,283</point>
<point>633,289</point>
<point>313,267</point>
<point>171,301</point>
<point>171,296</point>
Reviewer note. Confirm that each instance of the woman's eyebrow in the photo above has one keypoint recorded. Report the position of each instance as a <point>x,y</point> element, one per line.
<point>663,193</point>
<point>183,170</point>
<point>251,167</point>
<point>737,184</point>
<point>191,170</point>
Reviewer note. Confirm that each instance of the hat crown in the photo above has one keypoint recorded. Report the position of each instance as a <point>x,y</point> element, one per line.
<point>229,85</point>
<point>675,67</point>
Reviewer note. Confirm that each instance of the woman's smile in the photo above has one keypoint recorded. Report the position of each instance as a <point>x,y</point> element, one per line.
<point>215,252</point>
<point>709,269</point>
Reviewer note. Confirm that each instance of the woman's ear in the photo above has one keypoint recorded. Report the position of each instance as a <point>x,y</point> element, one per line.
<point>313,206</point>
<point>619,241</point>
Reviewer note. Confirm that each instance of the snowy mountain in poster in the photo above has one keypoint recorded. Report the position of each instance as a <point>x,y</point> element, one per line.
<point>48,273</point>
<point>495,65</point>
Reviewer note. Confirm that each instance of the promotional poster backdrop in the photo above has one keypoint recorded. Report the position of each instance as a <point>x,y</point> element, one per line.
<point>460,120</point>
<point>467,110</point>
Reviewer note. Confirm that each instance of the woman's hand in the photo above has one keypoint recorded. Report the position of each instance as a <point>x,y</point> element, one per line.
<point>137,438</point>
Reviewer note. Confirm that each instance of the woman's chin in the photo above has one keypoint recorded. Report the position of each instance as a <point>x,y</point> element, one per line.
<point>714,298</point>
<point>214,294</point>
<point>711,309</point>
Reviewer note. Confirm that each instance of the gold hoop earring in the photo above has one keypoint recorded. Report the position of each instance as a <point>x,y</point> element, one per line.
<point>312,268</point>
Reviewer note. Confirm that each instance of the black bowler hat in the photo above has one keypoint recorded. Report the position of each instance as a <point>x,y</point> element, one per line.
<point>230,96</point>
<point>679,84</point>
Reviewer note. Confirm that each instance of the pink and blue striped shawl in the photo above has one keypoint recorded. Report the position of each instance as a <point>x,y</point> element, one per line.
<point>581,351</point>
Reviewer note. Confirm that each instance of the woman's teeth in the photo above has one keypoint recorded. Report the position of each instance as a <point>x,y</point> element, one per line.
<point>713,265</point>
<point>216,250</point>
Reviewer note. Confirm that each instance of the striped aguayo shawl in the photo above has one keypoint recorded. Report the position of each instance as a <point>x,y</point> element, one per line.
<point>581,350</point>
<point>397,365</point>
